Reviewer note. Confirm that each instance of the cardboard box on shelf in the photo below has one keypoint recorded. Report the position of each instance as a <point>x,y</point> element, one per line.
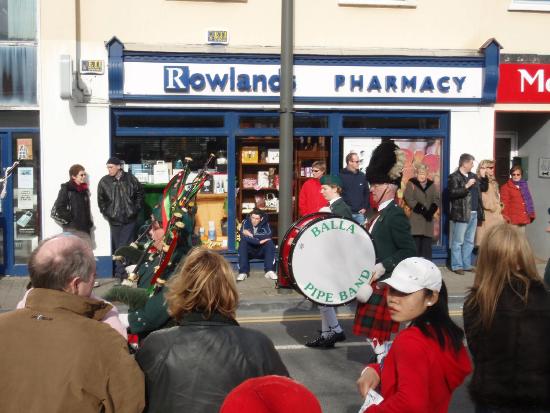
<point>249,154</point>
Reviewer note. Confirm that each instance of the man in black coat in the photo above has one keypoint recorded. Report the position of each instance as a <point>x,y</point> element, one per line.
<point>120,198</point>
<point>466,210</point>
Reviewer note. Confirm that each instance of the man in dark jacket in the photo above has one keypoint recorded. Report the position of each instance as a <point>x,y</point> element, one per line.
<point>120,198</point>
<point>466,210</point>
<point>256,242</point>
<point>355,190</point>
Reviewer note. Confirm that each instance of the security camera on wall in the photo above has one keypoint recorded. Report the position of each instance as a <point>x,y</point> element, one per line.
<point>66,76</point>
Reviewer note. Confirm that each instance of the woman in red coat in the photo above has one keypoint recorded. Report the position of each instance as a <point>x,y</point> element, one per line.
<point>516,198</point>
<point>310,199</point>
<point>427,360</point>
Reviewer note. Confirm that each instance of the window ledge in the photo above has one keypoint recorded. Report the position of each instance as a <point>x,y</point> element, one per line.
<point>529,6</point>
<point>411,4</point>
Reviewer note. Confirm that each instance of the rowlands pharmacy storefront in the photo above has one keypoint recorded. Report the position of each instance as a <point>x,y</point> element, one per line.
<point>168,106</point>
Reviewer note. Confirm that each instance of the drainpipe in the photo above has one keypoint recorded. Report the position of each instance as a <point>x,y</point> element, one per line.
<point>286,139</point>
<point>85,93</point>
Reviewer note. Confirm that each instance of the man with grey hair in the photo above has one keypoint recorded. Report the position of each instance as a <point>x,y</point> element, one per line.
<point>466,210</point>
<point>55,354</point>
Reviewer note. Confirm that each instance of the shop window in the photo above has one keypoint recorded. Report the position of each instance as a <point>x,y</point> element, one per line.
<point>154,160</point>
<point>379,3</point>
<point>304,121</point>
<point>387,122</point>
<point>417,150</point>
<point>529,5</point>
<point>271,122</point>
<point>17,75</point>
<point>26,210</point>
<point>17,19</point>
<point>170,121</point>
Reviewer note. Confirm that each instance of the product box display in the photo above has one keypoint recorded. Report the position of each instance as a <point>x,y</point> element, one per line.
<point>249,154</point>
<point>263,179</point>
<point>249,183</point>
<point>272,155</point>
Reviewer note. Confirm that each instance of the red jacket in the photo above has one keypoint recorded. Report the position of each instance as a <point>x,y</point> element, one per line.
<point>417,376</point>
<point>310,199</point>
<point>514,211</point>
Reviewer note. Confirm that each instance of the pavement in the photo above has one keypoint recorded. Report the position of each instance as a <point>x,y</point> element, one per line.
<point>258,295</point>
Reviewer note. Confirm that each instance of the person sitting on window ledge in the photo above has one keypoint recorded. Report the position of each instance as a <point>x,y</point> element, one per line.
<point>256,242</point>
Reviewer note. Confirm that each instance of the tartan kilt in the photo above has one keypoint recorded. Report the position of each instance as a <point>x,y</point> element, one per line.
<point>372,319</point>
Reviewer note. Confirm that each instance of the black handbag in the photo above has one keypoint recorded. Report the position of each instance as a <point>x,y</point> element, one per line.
<point>62,214</point>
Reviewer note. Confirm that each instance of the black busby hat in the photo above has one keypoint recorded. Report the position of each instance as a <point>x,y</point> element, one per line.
<point>386,164</point>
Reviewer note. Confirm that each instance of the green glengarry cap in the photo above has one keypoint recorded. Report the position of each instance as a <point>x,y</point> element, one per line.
<point>331,180</point>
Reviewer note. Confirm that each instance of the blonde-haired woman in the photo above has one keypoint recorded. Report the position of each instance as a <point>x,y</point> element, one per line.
<point>492,206</point>
<point>192,367</point>
<point>507,319</point>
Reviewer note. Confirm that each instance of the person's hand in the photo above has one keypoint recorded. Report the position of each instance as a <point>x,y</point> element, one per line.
<point>471,182</point>
<point>482,172</point>
<point>368,380</point>
<point>548,228</point>
<point>247,233</point>
<point>362,211</point>
<point>378,271</point>
<point>263,241</point>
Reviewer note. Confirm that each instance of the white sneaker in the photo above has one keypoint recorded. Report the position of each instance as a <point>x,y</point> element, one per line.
<point>271,275</point>
<point>242,276</point>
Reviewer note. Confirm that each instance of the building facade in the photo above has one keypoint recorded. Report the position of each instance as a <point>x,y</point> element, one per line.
<point>179,78</point>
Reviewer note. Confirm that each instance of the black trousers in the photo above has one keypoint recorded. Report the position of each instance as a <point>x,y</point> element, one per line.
<point>122,235</point>
<point>423,246</point>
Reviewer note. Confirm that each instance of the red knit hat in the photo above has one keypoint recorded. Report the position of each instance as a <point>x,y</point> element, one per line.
<point>271,394</point>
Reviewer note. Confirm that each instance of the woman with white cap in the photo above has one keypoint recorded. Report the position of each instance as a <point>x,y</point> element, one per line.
<point>427,360</point>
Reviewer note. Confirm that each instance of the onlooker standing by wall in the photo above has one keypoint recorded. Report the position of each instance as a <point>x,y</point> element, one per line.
<point>492,207</point>
<point>466,209</point>
<point>516,198</point>
<point>506,319</point>
<point>310,199</point>
<point>355,190</point>
<point>422,196</point>
<point>73,202</point>
<point>120,198</point>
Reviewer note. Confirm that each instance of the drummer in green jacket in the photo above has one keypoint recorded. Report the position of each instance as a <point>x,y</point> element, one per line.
<point>331,331</point>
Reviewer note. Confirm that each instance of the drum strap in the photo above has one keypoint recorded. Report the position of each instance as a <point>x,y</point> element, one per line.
<point>371,221</point>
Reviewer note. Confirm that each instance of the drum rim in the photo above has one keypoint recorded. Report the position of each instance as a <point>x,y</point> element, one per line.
<point>287,233</point>
<point>293,245</point>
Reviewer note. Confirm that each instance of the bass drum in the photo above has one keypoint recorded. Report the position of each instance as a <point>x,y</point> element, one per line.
<point>327,258</point>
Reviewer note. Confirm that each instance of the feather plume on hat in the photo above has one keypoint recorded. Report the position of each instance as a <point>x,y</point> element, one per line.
<point>386,164</point>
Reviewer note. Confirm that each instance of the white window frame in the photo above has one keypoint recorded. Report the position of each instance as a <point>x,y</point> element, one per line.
<point>411,4</point>
<point>529,5</point>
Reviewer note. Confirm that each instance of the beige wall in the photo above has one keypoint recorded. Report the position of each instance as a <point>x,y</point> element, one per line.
<point>433,24</point>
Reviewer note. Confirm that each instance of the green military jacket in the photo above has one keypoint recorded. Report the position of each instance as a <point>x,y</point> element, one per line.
<point>392,238</point>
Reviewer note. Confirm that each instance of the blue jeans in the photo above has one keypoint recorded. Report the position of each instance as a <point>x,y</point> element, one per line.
<point>122,235</point>
<point>265,251</point>
<point>359,218</point>
<point>462,243</point>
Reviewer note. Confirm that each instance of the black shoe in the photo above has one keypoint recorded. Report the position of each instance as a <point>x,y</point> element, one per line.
<point>460,271</point>
<point>316,342</point>
<point>333,338</point>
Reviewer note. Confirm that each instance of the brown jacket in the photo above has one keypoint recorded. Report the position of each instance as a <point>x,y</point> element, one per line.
<point>56,357</point>
<point>414,194</point>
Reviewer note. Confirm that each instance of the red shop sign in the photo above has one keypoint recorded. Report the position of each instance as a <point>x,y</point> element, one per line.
<point>524,83</point>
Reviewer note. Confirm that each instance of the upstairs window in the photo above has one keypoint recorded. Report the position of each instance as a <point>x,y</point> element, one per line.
<point>17,20</point>
<point>379,3</point>
<point>529,5</point>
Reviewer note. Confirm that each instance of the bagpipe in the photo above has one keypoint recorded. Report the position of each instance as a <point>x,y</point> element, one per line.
<point>174,206</point>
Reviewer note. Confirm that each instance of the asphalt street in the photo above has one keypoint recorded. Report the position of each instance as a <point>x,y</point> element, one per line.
<point>329,374</point>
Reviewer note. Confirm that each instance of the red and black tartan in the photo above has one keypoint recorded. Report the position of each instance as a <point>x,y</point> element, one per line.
<point>372,319</point>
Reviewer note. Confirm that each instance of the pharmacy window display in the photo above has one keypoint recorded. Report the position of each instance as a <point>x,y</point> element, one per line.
<point>418,151</point>
<point>155,160</point>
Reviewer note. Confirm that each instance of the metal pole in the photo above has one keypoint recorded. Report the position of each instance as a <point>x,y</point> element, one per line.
<point>286,137</point>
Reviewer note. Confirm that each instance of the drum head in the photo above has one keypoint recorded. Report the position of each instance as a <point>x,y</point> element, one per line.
<point>330,259</point>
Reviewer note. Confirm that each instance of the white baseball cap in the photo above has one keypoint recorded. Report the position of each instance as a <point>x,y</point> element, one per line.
<point>414,274</point>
